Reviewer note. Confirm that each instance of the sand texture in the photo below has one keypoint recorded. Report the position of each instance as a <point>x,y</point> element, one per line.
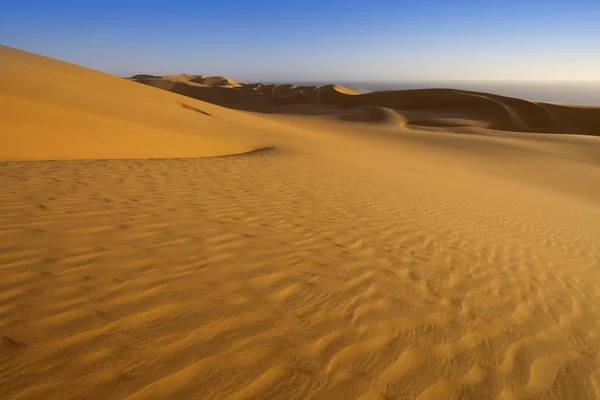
<point>54,110</point>
<point>303,243</point>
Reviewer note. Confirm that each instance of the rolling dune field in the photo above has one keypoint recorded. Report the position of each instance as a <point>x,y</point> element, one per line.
<point>204,238</point>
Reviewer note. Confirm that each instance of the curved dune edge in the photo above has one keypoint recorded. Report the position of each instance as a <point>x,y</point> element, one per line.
<point>442,122</point>
<point>55,110</point>
<point>483,110</point>
<point>256,152</point>
<point>374,114</point>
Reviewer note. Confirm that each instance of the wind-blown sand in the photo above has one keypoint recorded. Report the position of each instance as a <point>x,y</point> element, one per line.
<point>53,110</point>
<point>417,246</point>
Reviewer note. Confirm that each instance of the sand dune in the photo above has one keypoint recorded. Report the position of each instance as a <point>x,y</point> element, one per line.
<point>409,249</point>
<point>484,109</point>
<point>214,81</point>
<point>374,114</point>
<point>505,113</point>
<point>53,110</point>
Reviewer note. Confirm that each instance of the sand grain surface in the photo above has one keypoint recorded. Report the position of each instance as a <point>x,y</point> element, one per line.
<point>347,259</point>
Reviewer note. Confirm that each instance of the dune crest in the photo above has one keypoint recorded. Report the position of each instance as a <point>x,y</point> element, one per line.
<point>214,81</point>
<point>55,110</point>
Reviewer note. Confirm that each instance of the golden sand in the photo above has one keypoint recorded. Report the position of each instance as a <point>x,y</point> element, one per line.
<point>304,243</point>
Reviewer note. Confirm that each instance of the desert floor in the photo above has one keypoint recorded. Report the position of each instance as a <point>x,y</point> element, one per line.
<point>154,245</point>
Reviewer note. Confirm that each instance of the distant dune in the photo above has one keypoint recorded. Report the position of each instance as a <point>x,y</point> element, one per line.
<point>192,237</point>
<point>374,114</point>
<point>216,81</point>
<point>484,109</point>
<point>144,76</point>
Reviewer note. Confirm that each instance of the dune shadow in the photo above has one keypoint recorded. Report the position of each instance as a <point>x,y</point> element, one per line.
<point>192,108</point>
<point>255,152</point>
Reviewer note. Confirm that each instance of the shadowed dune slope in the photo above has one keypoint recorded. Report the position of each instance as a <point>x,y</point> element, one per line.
<point>54,110</point>
<point>505,113</point>
<point>374,114</point>
<point>484,109</point>
<point>143,76</point>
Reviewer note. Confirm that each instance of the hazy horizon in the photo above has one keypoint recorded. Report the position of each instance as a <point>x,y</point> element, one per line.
<point>317,41</point>
<point>578,93</point>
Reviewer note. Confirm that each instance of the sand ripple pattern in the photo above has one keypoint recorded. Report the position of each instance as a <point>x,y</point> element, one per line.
<point>269,276</point>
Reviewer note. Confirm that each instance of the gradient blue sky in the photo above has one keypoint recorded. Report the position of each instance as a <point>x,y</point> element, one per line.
<point>317,40</point>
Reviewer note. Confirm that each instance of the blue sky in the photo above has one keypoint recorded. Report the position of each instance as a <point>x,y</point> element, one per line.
<point>317,40</point>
